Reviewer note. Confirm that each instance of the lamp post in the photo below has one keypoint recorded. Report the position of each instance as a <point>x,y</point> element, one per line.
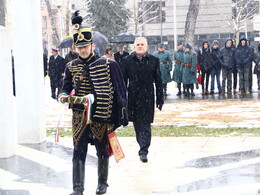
<point>59,6</point>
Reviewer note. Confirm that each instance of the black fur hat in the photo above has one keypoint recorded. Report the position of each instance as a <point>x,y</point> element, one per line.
<point>82,35</point>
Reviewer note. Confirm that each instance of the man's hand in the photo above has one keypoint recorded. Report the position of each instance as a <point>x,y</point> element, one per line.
<point>159,106</point>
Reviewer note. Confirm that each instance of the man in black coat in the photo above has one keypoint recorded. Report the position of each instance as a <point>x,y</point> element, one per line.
<point>227,59</point>
<point>71,55</point>
<point>56,70</point>
<point>141,70</point>
<point>205,61</point>
<point>120,55</point>
<point>45,64</point>
<point>243,57</point>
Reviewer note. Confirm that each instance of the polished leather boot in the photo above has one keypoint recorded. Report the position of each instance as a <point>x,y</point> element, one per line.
<point>102,175</point>
<point>78,177</point>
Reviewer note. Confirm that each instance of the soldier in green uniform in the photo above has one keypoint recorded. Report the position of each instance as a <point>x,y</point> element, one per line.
<point>165,66</point>
<point>177,74</point>
<point>189,64</point>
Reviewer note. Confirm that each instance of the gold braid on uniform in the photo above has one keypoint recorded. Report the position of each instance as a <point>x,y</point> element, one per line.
<point>79,124</point>
<point>104,92</point>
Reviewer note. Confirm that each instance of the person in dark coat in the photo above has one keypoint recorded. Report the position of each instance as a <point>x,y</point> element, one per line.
<point>243,57</point>
<point>102,78</point>
<point>234,70</point>
<point>71,55</point>
<point>120,54</point>
<point>205,61</point>
<point>56,70</point>
<point>45,64</point>
<point>227,59</point>
<point>215,72</point>
<point>257,66</point>
<point>141,70</point>
<point>250,75</point>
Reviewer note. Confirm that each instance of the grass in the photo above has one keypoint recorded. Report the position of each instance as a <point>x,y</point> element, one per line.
<point>177,131</point>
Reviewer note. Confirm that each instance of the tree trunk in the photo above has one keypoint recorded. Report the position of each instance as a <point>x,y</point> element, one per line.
<point>191,22</point>
<point>55,37</point>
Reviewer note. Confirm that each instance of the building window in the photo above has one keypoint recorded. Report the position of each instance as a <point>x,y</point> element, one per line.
<point>151,12</point>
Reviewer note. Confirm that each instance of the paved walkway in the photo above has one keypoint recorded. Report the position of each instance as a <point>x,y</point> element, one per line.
<point>204,166</point>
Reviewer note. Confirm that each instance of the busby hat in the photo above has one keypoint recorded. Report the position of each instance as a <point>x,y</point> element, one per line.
<point>82,35</point>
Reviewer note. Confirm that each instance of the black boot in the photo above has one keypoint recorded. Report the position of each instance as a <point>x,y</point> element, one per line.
<point>102,175</point>
<point>78,177</point>
<point>179,93</point>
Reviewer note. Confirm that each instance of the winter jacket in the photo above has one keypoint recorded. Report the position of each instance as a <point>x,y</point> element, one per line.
<point>243,55</point>
<point>141,74</point>
<point>56,69</point>
<point>205,59</point>
<point>215,54</point>
<point>257,62</point>
<point>227,56</point>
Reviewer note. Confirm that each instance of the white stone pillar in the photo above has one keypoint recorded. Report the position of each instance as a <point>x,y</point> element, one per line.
<point>7,116</point>
<point>28,57</point>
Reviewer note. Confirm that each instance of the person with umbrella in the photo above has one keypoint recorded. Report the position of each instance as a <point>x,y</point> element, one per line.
<point>72,54</point>
<point>120,54</point>
<point>88,76</point>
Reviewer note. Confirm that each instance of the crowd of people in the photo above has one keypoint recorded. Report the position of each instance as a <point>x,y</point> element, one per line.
<point>230,68</point>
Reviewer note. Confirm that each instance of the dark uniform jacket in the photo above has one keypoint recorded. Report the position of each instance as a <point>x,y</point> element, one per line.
<point>103,78</point>
<point>141,74</point>
<point>56,69</point>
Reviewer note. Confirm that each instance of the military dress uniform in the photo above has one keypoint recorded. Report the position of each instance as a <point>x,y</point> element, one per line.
<point>177,74</point>
<point>102,78</point>
<point>165,68</point>
<point>188,69</point>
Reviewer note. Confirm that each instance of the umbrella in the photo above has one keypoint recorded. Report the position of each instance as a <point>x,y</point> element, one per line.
<point>66,43</point>
<point>125,38</point>
<point>99,39</point>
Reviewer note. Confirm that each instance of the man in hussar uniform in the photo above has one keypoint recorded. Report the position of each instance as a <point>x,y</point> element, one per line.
<point>165,66</point>
<point>102,78</point>
<point>177,74</point>
<point>189,64</point>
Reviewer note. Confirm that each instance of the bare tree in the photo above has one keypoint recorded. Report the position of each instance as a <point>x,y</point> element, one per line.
<point>242,12</point>
<point>191,20</point>
<point>145,12</point>
<point>55,37</point>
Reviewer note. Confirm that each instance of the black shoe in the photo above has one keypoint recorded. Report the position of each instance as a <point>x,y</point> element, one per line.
<point>192,93</point>
<point>184,92</point>
<point>76,193</point>
<point>53,96</point>
<point>179,93</point>
<point>212,93</point>
<point>102,188</point>
<point>143,158</point>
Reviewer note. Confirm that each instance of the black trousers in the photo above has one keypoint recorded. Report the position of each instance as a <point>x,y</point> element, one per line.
<point>205,74</point>
<point>81,148</point>
<point>143,136</point>
<point>235,73</point>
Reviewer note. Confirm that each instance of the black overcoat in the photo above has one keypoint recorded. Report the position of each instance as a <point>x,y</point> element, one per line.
<point>140,77</point>
<point>55,70</point>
